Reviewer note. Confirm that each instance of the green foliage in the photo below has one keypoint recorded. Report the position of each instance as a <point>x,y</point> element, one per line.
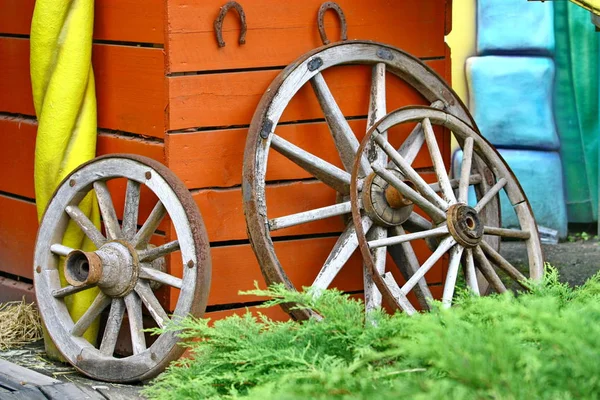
<point>542,345</point>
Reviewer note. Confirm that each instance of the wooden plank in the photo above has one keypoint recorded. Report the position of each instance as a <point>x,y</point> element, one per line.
<point>138,21</point>
<point>25,393</point>
<point>69,391</point>
<point>17,149</point>
<point>278,32</point>
<point>12,290</point>
<point>18,231</point>
<point>214,158</point>
<point>213,100</point>
<point>22,376</point>
<point>129,84</point>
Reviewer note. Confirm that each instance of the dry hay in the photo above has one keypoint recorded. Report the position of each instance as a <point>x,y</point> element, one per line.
<point>20,324</point>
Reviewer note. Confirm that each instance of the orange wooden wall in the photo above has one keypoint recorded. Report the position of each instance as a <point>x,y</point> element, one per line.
<point>165,90</point>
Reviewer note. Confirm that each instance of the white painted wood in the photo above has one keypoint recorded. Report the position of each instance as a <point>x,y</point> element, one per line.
<point>133,303</point>
<point>473,180</point>
<point>107,210</point>
<point>152,304</point>
<point>377,110</point>
<point>373,298</point>
<point>488,271</point>
<point>414,141</point>
<point>131,209</point>
<point>504,265</point>
<point>443,247</point>
<point>142,237</point>
<point>393,240</point>
<point>422,186</point>
<point>83,323</point>
<point>309,216</point>
<point>324,171</point>
<point>60,250</point>
<point>113,325</point>
<point>88,228</point>
<point>412,266</point>
<point>153,253</point>
<point>343,136</point>
<point>340,254</point>
<point>419,222</point>
<point>507,233</point>
<point>438,162</point>
<point>69,290</point>
<point>470,273</point>
<point>490,194</point>
<point>450,284</point>
<point>411,194</point>
<point>465,171</point>
<point>398,294</point>
<point>160,277</point>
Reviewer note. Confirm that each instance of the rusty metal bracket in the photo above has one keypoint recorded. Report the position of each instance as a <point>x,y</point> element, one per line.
<point>331,5</point>
<point>219,22</point>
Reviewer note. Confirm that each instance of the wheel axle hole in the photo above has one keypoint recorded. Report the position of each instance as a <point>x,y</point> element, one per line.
<point>470,222</point>
<point>77,267</point>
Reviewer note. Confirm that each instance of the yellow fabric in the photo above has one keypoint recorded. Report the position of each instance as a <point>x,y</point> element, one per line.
<point>462,41</point>
<point>65,103</point>
<point>590,5</point>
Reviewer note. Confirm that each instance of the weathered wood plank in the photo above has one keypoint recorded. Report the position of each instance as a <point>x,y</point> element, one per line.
<point>69,391</point>
<point>22,376</point>
<point>278,32</point>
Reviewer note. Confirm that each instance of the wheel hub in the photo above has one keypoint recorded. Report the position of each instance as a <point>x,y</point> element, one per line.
<point>383,203</point>
<point>114,268</point>
<point>464,225</point>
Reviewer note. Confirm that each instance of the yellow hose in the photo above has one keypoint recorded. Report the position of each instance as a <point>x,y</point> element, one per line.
<point>64,96</point>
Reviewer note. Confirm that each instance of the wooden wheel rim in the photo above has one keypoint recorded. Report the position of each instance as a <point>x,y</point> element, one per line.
<point>282,89</point>
<point>486,153</point>
<point>194,248</point>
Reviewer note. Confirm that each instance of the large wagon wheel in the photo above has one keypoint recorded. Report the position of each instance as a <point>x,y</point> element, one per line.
<point>394,189</point>
<point>262,137</point>
<point>125,267</point>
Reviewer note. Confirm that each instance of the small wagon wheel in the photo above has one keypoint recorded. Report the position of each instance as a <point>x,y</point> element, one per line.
<point>262,138</point>
<point>125,267</point>
<point>395,189</point>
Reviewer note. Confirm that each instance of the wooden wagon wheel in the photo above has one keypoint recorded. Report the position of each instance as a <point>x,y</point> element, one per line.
<point>392,192</point>
<point>262,137</point>
<point>125,267</point>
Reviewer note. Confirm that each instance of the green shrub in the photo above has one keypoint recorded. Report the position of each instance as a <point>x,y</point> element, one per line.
<point>541,345</point>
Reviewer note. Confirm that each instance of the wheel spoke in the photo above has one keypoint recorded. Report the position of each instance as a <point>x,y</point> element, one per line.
<point>309,216</point>
<point>327,173</point>
<point>377,110</point>
<point>450,284</point>
<point>107,209</point>
<point>390,241</point>
<point>417,223</point>
<point>153,253</point>
<point>504,265</point>
<point>69,290</point>
<point>465,171</point>
<point>83,323</point>
<point>372,294</point>
<point>438,162</point>
<point>340,254</point>
<point>398,294</point>
<point>411,174</point>
<point>414,141</point>
<point>473,180</point>
<point>131,209</point>
<point>408,192</point>
<point>152,304</point>
<point>136,323</point>
<point>490,194</point>
<point>470,274</point>
<point>488,271</point>
<point>113,326</point>
<point>343,136</point>
<point>60,250</point>
<point>87,226</point>
<point>147,230</point>
<point>409,267</point>
<point>507,233</point>
<point>160,277</point>
<point>443,247</point>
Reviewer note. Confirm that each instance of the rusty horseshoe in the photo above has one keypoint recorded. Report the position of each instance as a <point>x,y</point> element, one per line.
<point>330,5</point>
<point>219,22</point>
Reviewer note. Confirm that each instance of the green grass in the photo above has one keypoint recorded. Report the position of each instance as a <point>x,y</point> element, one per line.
<point>543,345</point>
